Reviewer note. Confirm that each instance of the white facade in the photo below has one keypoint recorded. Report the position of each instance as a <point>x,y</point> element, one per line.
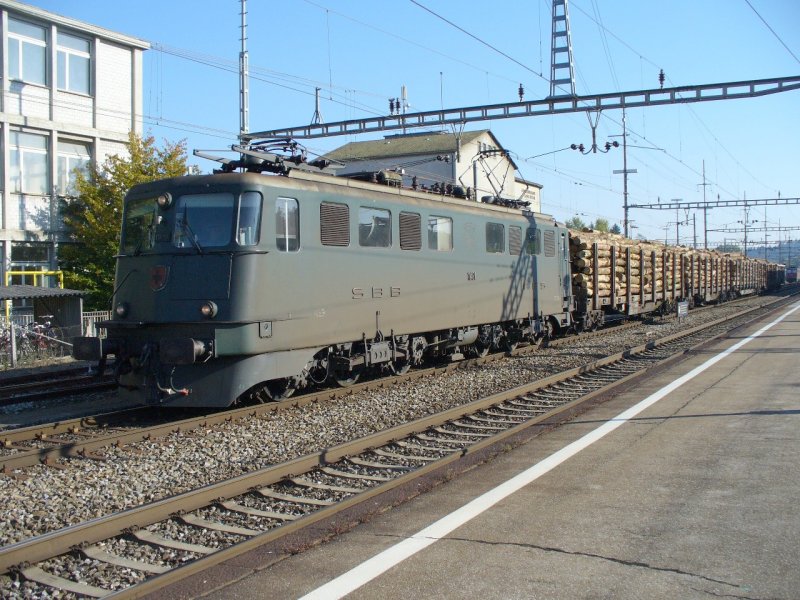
<point>71,93</point>
<point>475,162</point>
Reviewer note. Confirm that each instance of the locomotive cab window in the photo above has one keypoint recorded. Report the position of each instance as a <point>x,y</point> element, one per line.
<point>287,225</point>
<point>138,226</point>
<point>495,238</point>
<point>203,220</point>
<point>374,227</point>
<point>440,233</point>
<point>248,223</point>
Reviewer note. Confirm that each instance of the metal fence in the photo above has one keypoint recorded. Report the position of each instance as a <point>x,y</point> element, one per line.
<point>23,341</point>
<point>90,321</point>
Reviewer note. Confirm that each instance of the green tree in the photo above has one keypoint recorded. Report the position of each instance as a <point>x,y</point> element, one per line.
<point>575,223</point>
<point>93,218</point>
<point>616,229</point>
<point>600,225</point>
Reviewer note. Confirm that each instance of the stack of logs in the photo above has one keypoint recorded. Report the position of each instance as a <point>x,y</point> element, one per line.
<point>689,264</point>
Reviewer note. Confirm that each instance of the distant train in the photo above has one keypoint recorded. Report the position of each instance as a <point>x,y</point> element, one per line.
<point>248,285</point>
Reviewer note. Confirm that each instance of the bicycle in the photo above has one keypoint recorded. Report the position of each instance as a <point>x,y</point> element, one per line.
<point>44,338</point>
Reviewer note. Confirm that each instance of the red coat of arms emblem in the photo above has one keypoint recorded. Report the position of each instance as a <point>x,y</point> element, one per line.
<point>158,277</point>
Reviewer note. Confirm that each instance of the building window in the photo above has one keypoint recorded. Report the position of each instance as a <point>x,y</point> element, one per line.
<point>72,156</point>
<point>27,52</point>
<point>440,233</point>
<point>495,238</point>
<point>374,227</point>
<point>73,63</point>
<point>28,257</point>
<point>28,161</point>
<point>287,225</point>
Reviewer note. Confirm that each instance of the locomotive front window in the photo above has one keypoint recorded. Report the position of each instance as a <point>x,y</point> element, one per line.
<point>203,220</point>
<point>247,227</point>
<point>138,228</point>
<point>287,225</point>
<point>374,227</point>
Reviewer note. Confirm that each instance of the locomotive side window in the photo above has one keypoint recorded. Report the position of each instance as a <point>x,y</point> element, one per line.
<point>410,231</point>
<point>287,225</point>
<point>533,242</point>
<point>248,225</point>
<point>203,220</point>
<point>374,227</point>
<point>139,226</point>
<point>334,224</point>
<point>514,240</point>
<point>440,233</point>
<point>495,238</point>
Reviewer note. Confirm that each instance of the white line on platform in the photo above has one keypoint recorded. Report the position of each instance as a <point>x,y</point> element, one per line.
<point>375,566</point>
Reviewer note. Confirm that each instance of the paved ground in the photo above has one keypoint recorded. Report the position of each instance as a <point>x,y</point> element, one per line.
<point>695,497</point>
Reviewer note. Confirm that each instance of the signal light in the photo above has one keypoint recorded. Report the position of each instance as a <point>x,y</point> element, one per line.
<point>209,310</point>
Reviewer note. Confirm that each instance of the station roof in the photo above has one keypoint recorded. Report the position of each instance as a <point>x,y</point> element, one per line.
<point>20,292</point>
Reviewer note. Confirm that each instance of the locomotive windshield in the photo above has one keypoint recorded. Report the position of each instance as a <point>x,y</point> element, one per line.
<point>199,221</point>
<point>203,220</point>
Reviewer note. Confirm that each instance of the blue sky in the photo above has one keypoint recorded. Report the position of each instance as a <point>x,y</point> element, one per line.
<point>360,52</point>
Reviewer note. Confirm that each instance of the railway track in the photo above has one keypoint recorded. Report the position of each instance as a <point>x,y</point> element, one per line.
<point>140,550</point>
<point>18,390</point>
<point>84,437</point>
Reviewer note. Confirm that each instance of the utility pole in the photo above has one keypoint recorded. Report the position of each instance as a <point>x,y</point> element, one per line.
<point>625,171</point>
<point>705,209</point>
<point>244,77</point>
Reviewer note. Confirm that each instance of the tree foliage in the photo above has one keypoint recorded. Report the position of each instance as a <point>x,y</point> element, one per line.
<point>93,219</point>
<point>615,228</point>
<point>575,223</point>
<point>600,225</point>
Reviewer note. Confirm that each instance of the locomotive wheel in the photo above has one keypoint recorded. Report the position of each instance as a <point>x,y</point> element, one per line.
<point>342,381</point>
<point>400,367</point>
<point>280,389</point>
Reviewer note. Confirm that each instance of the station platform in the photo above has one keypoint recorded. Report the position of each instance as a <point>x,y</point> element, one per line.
<point>686,486</point>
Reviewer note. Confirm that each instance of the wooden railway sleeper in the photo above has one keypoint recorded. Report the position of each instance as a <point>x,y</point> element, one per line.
<point>394,455</point>
<point>268,493</point>
<point>347,475</point>
<point>376,465</point>
<point>483,417</point>
<point>96,553</point>
<point>148,537</point>
<point>452,441</point>
<point>472,433</point>
<point>423,447</point>
<point>255,512</point>
<point>215,526</point>
<point>38,575</point>
<point>303,482</point>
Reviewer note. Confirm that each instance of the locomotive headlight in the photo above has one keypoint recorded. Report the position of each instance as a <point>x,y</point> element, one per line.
<point>122,309</point>
<point>164,200</point>
<point>209,310</point>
